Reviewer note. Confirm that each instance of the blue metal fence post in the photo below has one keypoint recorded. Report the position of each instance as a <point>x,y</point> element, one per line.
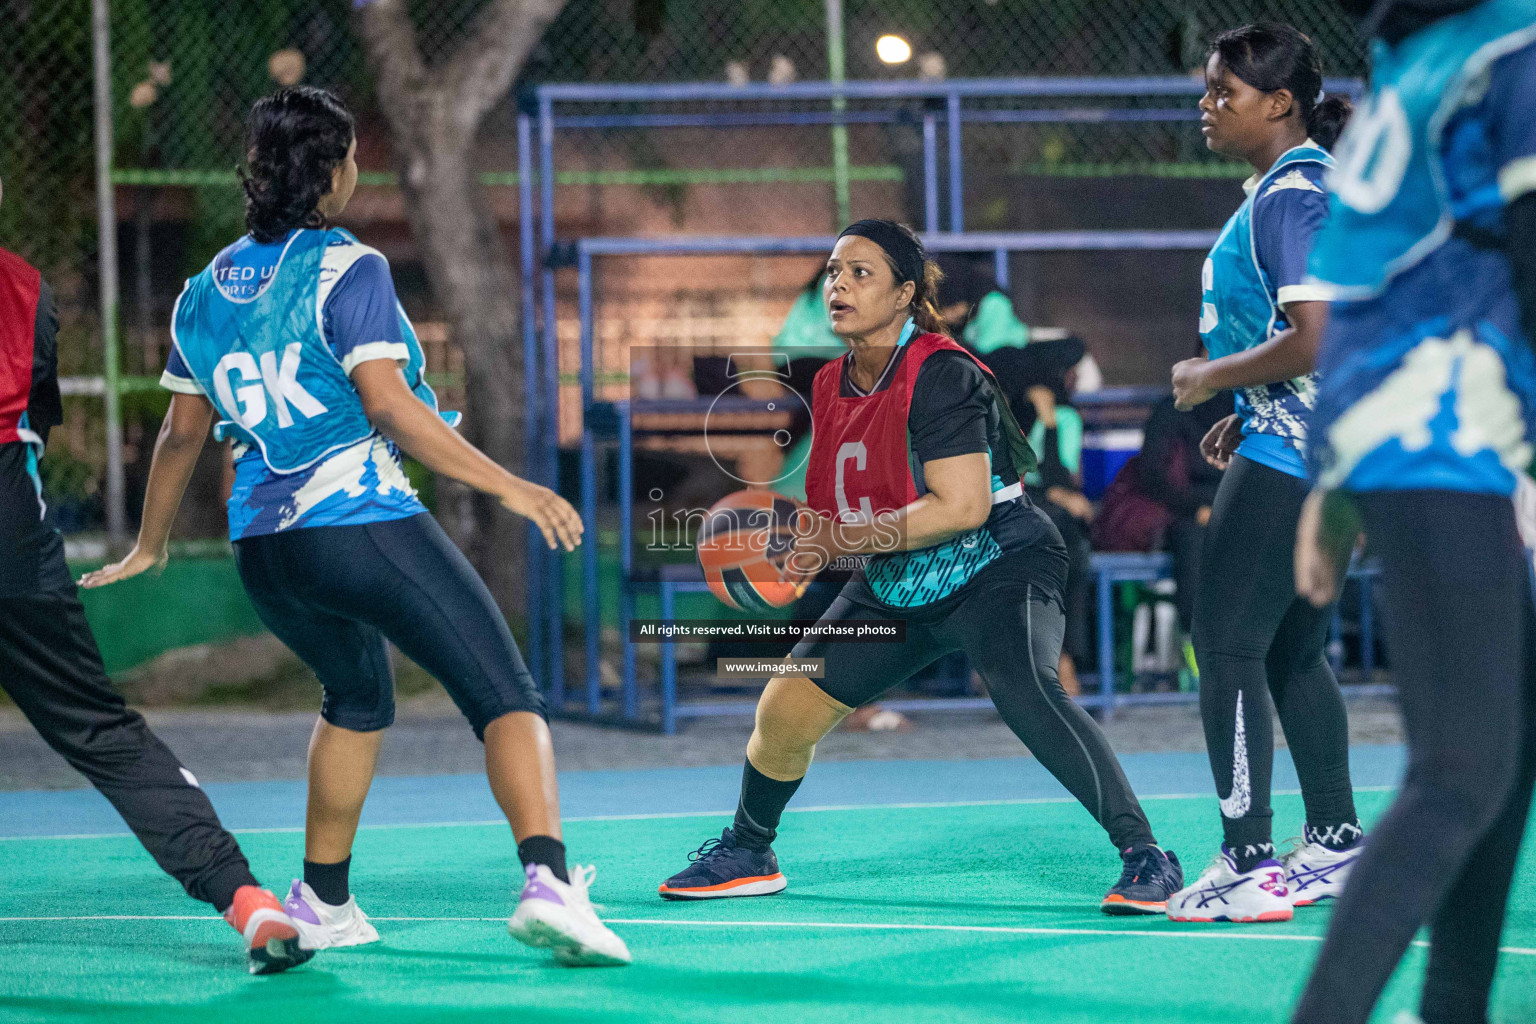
<point>626,557</point>
<point>592,609</point>
<point>533,461</point>
<point>1106,644</point>
<point>956,184</point>
<point>554,561</point>
<point>1000,269</point>
<point>930,173</point>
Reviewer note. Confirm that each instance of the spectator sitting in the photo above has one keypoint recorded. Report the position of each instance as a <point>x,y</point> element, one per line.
<point>1161,499</point>
<point>1176,475</point>
<point>807,325</point>
<point>980,316</point>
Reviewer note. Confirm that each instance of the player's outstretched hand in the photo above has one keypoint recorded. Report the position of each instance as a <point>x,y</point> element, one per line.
<point>553,515</point>
<point>137,561</point>
<point>1221,441</point>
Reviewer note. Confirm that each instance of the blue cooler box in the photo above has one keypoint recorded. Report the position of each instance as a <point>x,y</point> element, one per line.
<point>1104,452</point>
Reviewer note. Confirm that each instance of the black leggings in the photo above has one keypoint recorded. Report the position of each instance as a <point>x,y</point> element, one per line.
<point>1256,640</point>
<point>1459,624</point>
<point>1010,628</point>
<point>333,594</point>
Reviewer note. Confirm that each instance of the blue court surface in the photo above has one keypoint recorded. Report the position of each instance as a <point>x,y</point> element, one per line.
<point>654,792</point>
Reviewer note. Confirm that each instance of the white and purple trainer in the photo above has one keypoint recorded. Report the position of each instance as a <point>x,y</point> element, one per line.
<point>322,926</point>
<point>556,915</point>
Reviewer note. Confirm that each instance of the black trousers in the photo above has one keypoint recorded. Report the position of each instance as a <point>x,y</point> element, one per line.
<point>50,666</point>
<point>1256,641</point>
<point>1460,630</point>
<point>1009,625</point>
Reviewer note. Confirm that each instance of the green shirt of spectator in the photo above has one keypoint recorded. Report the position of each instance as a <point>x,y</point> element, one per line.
<point>994,325</point>
<point>1069,442</point>
<point>807,325</point>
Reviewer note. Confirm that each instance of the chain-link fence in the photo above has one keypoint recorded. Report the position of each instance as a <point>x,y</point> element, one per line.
<point>48,213</point>
<point>183,75</point>
<point>671,40</point>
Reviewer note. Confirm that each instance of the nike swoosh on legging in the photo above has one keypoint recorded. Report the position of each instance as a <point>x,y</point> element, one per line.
<point>1241,798</point>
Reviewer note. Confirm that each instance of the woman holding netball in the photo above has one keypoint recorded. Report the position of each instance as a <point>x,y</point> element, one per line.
<point>916,463</point>
<point>293,338</point>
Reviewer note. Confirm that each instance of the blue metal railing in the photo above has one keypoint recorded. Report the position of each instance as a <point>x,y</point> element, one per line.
<point>536,134</point>
<point>999,243</point>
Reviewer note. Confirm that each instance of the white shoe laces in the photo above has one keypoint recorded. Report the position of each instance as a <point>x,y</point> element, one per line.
<point>1293,849</point>
<point>582,878</point>
<point>1217,865</point>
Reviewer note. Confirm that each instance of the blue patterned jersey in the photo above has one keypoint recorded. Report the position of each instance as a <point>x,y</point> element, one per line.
<point>1256,268</point>
<point>1428,379</point>
<point>271,334</point>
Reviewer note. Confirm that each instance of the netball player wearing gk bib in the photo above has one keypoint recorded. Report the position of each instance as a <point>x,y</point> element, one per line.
<point>1254,639</point>
<point>294,338</point>
<point>1425,417</point>
<point>916,455</point>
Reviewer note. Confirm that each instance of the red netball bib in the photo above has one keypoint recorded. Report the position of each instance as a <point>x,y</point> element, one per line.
<point>859,463</point>
<point>20,285</point>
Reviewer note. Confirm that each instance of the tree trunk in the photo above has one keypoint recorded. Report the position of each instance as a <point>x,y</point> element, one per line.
<point>435,117</point>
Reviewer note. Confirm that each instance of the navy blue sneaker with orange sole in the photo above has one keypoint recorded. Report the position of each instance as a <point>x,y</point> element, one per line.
<point>721,868</point>
<point>1148,878</point>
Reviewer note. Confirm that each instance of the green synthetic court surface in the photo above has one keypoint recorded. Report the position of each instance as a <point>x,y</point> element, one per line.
<point>969,912</point>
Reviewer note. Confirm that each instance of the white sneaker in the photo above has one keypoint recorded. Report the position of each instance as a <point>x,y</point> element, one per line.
<point>552,914</point>
<point>1315,873</point>
<point>322,926</point>
<point>1222,893</point>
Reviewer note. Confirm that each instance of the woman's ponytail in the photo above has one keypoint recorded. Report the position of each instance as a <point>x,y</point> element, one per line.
<point>925,311</point>
<point>1327,120</point>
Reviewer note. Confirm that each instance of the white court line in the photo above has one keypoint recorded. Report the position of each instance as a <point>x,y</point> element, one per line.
<point>665,815</point>
<point>1220,934</point>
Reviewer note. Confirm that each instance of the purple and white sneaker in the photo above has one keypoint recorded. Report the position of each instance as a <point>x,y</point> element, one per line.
<point>1222,893</point>
<point>1315,873</point>
<point>556,915</point>
<point>322,926</point>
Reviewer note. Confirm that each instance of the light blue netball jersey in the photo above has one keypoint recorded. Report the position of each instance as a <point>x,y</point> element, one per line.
<point>270,333</point>
<point>1257,268</point>
<point>1428,380</point>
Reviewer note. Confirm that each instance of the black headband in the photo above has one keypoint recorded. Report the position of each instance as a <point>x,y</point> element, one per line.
<point>906,252</point>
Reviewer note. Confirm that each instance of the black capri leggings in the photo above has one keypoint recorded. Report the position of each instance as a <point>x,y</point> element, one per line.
<point>1010,628</point>
<point>1256,640</point>
<point>1459,624</point>
<point>335,594</point>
